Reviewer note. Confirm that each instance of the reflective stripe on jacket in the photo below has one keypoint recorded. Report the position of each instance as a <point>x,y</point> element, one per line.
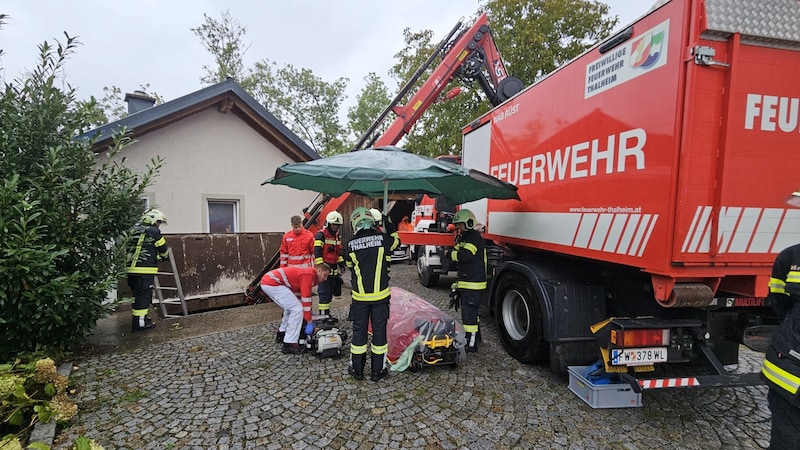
<point>470,254</point>
<point>146,247</point>
<point>368,256</point>
<point>297,249</point>
<point>328,249</point>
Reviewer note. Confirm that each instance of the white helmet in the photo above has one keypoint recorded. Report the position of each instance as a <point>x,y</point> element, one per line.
<point>376,214</point>
<point>334,217</point>
<point>153,216</point>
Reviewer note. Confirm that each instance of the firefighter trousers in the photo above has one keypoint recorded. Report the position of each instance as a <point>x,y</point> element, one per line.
<point>785,434</point>
<point>142,287</point>
<point>362,314</point>
<point>470,308</point>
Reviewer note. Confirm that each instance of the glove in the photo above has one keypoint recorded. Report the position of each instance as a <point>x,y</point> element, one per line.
<point>342,268</point>
<point>309,329</point>
<point>455,297</point>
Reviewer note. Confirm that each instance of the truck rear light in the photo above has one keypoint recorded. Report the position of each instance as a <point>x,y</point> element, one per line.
<point>647,337</point>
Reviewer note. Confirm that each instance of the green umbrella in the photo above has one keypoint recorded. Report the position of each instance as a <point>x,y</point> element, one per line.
<point>379,171</point>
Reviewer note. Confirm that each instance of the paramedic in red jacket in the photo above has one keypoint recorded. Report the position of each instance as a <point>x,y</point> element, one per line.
<point>283,286</point>
<point>297,245</point>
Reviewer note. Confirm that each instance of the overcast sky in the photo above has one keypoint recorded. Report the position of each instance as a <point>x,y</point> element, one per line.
<point>131,43</point>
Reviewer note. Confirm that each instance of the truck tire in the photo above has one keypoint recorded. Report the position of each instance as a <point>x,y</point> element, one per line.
<point>519,317</point>
<point>427,277</point>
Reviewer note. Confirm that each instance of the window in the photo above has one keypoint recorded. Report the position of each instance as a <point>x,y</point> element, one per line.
<point>223,216</point>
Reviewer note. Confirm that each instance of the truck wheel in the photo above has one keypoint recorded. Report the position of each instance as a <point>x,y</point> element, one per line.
<point>519,319</point>
<point>426,276</point>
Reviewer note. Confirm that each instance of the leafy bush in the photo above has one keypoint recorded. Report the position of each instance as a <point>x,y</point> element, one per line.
<point>65,212</point>
<point>31,393</point>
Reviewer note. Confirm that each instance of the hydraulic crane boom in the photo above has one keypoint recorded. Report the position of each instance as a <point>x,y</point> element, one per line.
<point>467,53</point>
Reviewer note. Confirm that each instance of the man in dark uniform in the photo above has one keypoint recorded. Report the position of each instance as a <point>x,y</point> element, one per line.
<point>368,255</point>
<point>470,254</point>
<point>781,369</point>
<point>328,250</point>
<point>147,248</point>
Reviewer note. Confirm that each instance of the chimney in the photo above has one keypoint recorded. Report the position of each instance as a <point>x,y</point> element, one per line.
<point>138,101</point>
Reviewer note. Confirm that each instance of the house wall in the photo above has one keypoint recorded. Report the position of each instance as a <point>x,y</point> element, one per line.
<point>215,155</point>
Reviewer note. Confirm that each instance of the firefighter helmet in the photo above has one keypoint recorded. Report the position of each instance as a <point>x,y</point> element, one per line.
<point>334,217</point>
<point>466,217</point>
<point>376,214</point>
<point>361,219</point>
<point>153,216</point>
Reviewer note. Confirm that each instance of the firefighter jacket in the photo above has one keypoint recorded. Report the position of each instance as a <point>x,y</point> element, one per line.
<point>781,368</point>
<point>470,254</point>
<point>147,248</point>
<point>328,249</point>
<point>368,256</point>
<point>299,280</point>
<point>297,249</point>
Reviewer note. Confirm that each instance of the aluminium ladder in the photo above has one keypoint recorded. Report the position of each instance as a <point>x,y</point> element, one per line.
<point>181,300</point>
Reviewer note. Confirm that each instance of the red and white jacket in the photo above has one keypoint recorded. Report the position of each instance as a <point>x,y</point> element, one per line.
<point>299,280</point>
<point>297,249</point>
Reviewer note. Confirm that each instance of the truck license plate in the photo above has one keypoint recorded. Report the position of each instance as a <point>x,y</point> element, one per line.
<point>638,356</point>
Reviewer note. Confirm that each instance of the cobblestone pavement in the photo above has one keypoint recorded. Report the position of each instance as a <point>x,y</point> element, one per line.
<point>235,390</point>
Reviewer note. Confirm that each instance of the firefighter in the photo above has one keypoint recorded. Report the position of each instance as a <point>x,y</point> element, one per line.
<point>368,255</point>
<point>328,250</point>
<point>283,285</point>
<point>297,245</point>
<point>470,254</point>
<point>781,368</point>
<point>147,248</point>
<point>378,216</point>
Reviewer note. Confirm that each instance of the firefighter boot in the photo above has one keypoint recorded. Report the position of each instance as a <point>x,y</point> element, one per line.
<point>293,349</point>
<point>279,335</point>
<point>139,323</point>
<point>379,370</point>
<point>472,342</point>
<point>356,368</point>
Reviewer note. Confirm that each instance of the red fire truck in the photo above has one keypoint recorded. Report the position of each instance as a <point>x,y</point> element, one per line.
<point>653,171</point>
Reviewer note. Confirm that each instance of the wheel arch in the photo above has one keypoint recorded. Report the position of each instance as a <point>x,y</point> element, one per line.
<point>533,274</point>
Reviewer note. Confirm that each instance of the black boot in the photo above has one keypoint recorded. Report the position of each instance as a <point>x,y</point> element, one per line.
<point>379,370</point>
<point>472,342</point>
<point>279,335</point>
<point>356,368</point>
<point>139,323</point>
<point>293,349</point>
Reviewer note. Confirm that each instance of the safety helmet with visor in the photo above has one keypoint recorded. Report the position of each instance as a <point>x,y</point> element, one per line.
<point>466,217</point>
<point>361,219</point>
<point>334,218</point>
<point>153,217</point>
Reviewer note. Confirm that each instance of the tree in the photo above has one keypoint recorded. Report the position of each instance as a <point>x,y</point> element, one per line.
<point>370,103</point>
<point>305,103</point>
<point>224,40</point>
<point>534,38</point>
<point>65,212</point>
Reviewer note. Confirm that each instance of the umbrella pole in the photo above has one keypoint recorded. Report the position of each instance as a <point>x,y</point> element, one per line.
<point>385,197</point>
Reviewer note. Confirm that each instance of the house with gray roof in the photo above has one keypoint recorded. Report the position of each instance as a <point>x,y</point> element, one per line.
<point>217,144</point>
